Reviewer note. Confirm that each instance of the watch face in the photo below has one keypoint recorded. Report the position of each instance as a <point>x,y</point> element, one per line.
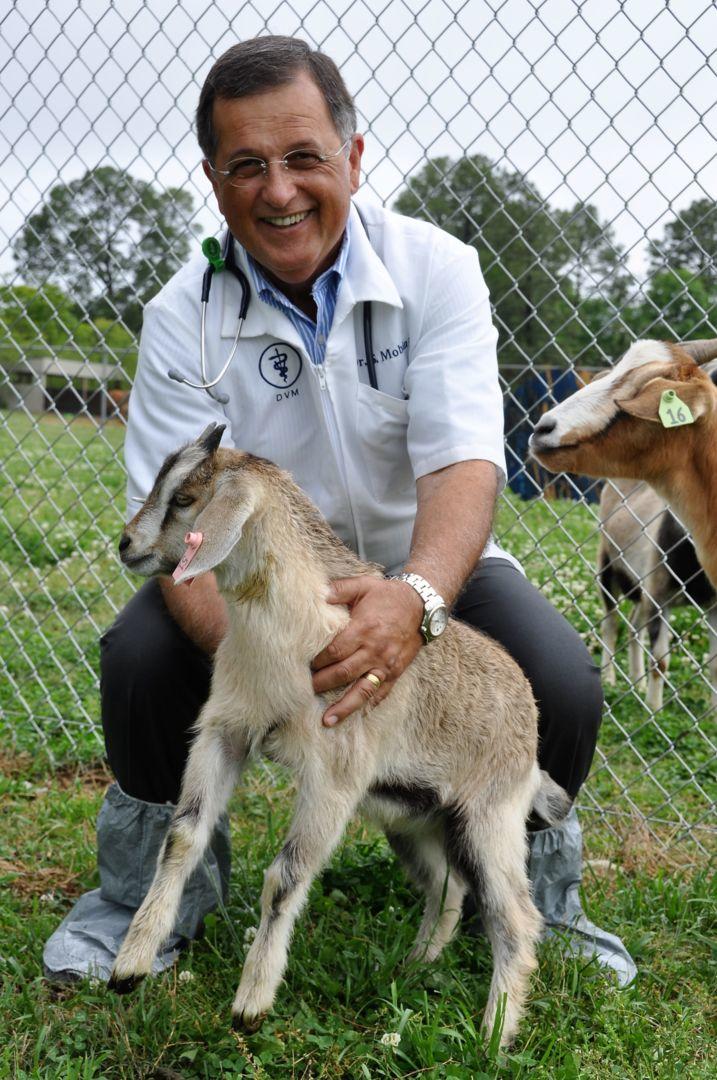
<point>437,622</point>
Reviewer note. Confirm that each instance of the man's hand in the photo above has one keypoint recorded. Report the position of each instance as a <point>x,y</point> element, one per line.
<point>382,638</point>
<point>199,609</point>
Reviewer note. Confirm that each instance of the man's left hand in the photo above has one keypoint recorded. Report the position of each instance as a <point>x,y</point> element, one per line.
<point>382,638</point>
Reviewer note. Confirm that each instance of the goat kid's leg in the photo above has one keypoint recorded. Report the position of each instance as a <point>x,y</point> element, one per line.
<point>609,594</point>
<point>659,636</point>
<point>209,779</point>
<point>608,636</point>
<point>320,818</point>
<point>712,655</point>
<point>423,854</point>
<point>487,845</point>
<point>636,648</point>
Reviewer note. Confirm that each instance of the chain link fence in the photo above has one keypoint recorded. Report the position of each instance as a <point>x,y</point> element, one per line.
<point>573,143</point>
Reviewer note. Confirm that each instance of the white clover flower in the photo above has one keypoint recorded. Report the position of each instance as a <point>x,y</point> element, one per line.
<point>186,976</point>
<point>94,983</point>
<point>249,934</point>
<point>47,898</point>
<point>390,1038</point>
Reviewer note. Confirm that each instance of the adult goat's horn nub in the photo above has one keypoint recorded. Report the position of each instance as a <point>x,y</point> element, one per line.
<point>701,351</point>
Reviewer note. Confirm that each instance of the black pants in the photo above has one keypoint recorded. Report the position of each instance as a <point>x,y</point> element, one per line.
<point>154,681</point>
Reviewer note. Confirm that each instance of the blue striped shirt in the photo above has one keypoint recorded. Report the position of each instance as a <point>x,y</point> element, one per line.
<point>325,289</point>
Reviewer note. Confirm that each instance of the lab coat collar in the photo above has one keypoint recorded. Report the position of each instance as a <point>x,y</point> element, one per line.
<point>365,278</point>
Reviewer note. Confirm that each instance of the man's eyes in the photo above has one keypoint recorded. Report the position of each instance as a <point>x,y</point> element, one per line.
<point>303,158</point>
<point>245,166</point>
<point>251,166</point>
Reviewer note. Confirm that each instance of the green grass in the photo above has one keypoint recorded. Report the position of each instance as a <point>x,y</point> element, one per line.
<point>60,582</point>
<point>346,984</point>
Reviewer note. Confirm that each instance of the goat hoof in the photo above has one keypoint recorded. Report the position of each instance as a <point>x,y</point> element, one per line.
<point>124,985</point>
<point>247,1025</point>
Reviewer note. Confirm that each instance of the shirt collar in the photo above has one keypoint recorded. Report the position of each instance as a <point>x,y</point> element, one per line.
<point>333,276</point>
<point>364,277</point>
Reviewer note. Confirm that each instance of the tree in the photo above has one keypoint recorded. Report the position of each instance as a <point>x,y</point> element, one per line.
<point>35,322</point>
<point>109,240</point>
<point>678,306</point>
<point>592,258</point>
<point>690,243</point>
<point>539,263</point>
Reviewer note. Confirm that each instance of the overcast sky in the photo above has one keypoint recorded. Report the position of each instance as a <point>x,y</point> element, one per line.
<point>607,101</point>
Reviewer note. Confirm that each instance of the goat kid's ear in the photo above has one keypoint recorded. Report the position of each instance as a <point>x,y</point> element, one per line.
<point>645,405</point>
<point>211,437</point>
<point>221,524</point>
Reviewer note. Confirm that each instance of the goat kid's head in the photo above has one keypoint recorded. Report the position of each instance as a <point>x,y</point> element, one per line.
<point>612,426</point>
<point>191,495</point>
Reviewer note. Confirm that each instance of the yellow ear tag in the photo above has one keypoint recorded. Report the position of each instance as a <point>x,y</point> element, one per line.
<point>673,412</point>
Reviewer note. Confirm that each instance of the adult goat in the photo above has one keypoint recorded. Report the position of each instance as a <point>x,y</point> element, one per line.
<point>645,554</point>
<point>653,417</point>
<point>446,764</point>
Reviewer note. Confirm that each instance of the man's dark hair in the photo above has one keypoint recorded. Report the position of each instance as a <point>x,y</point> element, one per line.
<point>263,63</point>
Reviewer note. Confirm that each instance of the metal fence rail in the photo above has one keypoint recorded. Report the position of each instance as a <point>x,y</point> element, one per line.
<point>573,143</point>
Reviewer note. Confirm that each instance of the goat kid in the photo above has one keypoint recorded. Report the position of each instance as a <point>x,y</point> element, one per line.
<point>612,428</point>
<point>645,555</point>
<point>446,764</point>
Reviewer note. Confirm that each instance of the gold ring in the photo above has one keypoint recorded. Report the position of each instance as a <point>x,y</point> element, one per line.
<point>373,679</point>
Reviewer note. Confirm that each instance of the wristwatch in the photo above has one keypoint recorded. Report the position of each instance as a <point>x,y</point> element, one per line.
<point>435,612</point>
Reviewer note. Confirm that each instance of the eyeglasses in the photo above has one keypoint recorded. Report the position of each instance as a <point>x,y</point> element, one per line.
<point>244,169</point>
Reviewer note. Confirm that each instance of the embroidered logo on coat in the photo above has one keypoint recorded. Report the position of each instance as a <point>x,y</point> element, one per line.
<point>280,365</point>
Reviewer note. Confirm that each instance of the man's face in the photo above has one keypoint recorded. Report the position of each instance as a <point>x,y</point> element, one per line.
<point>269,125</point>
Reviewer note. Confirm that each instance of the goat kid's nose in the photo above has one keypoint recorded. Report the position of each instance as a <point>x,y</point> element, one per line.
<point>124,543</point>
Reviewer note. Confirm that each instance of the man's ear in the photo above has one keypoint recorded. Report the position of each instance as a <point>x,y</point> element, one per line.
<point>355,154</point>
<point>221,524</point>
<point>646,403</point>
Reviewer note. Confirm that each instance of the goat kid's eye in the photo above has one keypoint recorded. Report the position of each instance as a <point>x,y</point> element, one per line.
<point>182,500</point>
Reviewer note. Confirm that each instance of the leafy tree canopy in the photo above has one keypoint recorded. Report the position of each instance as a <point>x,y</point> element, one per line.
<point>539,263</point>
<point>34,322</point>
<point>109,240</point>
<point>678,306</point>
<point>689,243</point>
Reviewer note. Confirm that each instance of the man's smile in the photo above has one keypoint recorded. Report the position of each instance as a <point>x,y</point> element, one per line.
<point>285,221</point>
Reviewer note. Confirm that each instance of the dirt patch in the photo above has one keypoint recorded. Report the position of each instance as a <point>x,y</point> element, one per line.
<point>23,766</point>
<point>91,775</point>
<point>15,765</point>
<point>27,881</point>
<point>640,851</point>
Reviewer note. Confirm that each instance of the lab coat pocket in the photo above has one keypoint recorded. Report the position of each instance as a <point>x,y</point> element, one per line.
<point>382,424</point>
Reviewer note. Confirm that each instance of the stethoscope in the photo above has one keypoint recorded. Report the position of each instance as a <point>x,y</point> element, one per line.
<point>223,257</point>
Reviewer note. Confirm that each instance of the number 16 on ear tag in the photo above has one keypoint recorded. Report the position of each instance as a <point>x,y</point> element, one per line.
<point>673,411</point>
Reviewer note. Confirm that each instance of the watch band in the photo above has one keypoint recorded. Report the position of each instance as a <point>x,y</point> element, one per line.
<point>433,603</point>
<point>422,587</point>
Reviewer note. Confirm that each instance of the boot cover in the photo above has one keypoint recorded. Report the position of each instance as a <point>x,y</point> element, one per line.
<point>129,835</point>
<point>555,869</point>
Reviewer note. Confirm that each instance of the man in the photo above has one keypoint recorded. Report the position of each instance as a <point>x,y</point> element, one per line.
<point>404,456</point>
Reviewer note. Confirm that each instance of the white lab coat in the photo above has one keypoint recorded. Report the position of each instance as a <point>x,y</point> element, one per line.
<point>356,451</point>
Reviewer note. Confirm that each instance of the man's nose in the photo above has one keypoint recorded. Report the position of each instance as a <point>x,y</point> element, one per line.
<point>278,185</point>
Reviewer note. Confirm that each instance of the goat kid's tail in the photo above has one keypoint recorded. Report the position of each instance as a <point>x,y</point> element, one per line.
<point>552,803</point>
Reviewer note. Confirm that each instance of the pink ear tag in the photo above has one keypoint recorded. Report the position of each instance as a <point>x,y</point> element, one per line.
<point>193,541</point>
